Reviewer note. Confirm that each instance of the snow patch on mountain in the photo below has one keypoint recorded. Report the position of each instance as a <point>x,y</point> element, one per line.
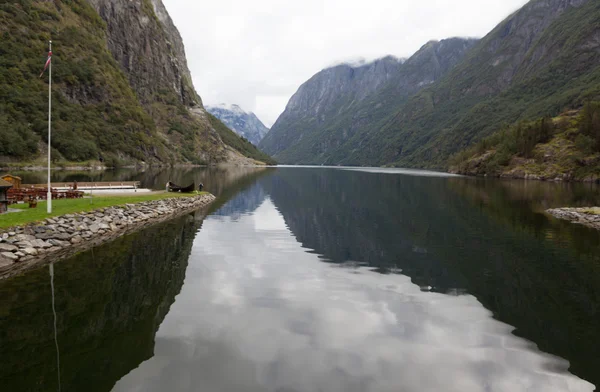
<point>244,123</point>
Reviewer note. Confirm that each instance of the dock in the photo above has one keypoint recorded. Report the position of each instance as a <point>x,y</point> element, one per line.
<point>89,186</point>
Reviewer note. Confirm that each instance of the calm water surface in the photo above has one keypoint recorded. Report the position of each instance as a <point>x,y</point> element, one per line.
<point>322,279</point>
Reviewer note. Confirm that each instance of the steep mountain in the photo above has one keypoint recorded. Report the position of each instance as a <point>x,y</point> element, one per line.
<point>245,124</point>
<point>122,91</point>
<point>540,60</point>
<point>338,103</point>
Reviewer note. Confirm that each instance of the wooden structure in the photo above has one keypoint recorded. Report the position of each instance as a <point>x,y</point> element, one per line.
<point>14,180</point>
<point>4,187</point>
<point>87,186</point>
<point>33,194</point>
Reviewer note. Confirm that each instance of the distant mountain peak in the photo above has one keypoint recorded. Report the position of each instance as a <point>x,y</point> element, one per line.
<point>245,124</point>
<point>228,106</point>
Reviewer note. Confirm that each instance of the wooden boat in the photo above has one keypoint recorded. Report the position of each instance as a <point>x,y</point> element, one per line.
<point>183,189</point>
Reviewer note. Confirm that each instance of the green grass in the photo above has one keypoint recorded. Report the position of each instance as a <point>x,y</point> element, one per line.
<point>593,211</point>
<point>70,206</point>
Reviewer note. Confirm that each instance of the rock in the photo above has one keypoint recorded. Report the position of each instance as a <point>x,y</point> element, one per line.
<point>77,239</point>
<point>103,226</point>
<point>19,254</point>
<point>30,251</point>
<point>24,244</point>
<point>113,227</point>
<point>24,237</point>
<point>4,236</point>
<point>9,256</point>
<point>4,262</point>
<point>62,236</point>
<point>40,244</point>
<point>94,228</point>
<point>11,233</point>
<point>8,248</point>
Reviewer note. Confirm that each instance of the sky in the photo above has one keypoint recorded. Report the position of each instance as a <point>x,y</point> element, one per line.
<point>257,53</point>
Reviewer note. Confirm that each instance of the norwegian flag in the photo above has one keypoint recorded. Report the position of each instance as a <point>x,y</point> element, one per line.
<point>47,63</point>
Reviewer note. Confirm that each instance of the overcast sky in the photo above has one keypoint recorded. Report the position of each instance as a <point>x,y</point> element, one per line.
<point>257,53</point>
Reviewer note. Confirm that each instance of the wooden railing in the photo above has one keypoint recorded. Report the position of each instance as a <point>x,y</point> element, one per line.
<point>70,185</point>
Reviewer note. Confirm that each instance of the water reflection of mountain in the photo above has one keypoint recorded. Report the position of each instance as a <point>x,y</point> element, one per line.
<point>357,217</point>
<point>244,202</point>
<point>110,302</point>
<point>547,287</point>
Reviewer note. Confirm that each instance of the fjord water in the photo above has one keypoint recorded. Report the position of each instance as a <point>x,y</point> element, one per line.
<point>323,279</point>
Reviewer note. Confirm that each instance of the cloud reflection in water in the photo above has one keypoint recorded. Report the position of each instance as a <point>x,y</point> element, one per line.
<point>259,313</point>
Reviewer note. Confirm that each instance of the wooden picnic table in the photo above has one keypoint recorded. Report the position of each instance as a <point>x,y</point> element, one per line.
<point>26,194</point>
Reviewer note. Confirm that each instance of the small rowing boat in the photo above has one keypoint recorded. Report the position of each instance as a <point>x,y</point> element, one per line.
<point>183,189</point>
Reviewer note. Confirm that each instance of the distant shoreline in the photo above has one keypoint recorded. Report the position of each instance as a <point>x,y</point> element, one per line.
<point>90,168</point>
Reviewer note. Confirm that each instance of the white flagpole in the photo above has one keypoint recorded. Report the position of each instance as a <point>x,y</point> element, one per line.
<point>49,195</point>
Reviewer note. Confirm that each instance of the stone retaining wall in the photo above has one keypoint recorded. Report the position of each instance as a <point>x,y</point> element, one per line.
<point>60,237</point>
<point>577,215</point>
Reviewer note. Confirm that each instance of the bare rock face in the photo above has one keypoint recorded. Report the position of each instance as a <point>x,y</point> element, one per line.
<point>143,39</point>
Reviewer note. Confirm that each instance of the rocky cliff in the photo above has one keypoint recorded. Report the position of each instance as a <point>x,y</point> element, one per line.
<point>143,39</point>
<point>335,104</point>
<point>122,91</point>
<point>245,124</point>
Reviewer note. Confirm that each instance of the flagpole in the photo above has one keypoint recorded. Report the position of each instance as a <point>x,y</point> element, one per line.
<point>49,195</point>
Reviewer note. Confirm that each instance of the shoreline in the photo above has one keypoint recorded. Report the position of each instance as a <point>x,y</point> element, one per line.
<point>562,177</point>
<point>54,239</point>
<point>589,217</point>
<point>99,167</point>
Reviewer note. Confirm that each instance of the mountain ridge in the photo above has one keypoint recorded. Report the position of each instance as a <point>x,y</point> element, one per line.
<point>539,61</point>
<point>340,100</point>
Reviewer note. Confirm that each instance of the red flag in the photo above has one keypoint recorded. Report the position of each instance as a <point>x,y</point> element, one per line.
<point>47,63</point>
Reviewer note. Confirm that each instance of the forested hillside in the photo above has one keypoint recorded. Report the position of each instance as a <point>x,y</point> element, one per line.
<point>566,148</point>
<point>121,89</point>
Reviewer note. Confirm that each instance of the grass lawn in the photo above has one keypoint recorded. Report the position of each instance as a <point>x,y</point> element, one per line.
<point>69,206</point>
<point>593,211</point>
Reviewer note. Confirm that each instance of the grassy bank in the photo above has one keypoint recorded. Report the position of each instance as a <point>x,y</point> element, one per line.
<point>69,206</point>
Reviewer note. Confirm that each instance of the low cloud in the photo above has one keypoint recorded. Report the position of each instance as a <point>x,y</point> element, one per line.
<point>256,54</point>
